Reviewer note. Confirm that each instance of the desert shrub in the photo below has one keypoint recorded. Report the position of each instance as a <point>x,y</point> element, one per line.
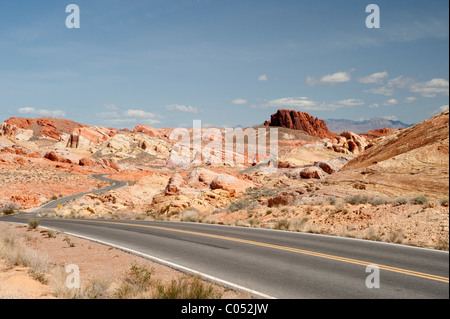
<point>186,288</point>
<point>401,201</point>
<point>15,253</point>
<point>139,275</point>
<point>8,211</point>
<point>69,242</point>
<point>443,202</point>
<point>442,244</point>
<point>8,208</point>
<point>419,200</point>
<point>396,237</point>
<point>173,213</point>
<point>258,192</point>
<point>332,200</point>
<point>377,201</point>
<point>254,222</point>
<point>95,288</point>
<point>136,282</point>
<point>241,205</point>
<point>51,233</point>
<point>357,199</point>
<point>373,235</point>
<point>298,224</point>
<point>210,220</point>
<point>283,224</point>
<point>190,215</point>
<point>33,223</point>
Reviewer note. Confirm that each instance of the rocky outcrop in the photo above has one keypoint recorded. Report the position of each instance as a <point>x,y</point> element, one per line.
<point>229,183</point>
<point>71,134</point>
<point>332,166</point>
<point>86,137</point>
<point>44,127</point>
<point>348,143</point>
<point>300,121</point>
<point>379,133</point>
<point>285,198</point>
<point>11,130</point>
<point>312,172</point>
<point>175,185</point>
<point>56,157</point>
<point>147,130</point>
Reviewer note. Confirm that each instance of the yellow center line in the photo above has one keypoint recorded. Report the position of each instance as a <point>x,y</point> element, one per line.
<point>285,248</point>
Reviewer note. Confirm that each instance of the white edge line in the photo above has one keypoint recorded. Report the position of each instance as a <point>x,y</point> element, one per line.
<point>180,268</point>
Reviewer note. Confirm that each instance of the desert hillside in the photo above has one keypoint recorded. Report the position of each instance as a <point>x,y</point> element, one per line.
<point>411,160</point>
<point>387,184</point>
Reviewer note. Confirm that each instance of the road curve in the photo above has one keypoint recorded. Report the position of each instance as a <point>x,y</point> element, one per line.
<point>115,184</point>
<point>273,263</point>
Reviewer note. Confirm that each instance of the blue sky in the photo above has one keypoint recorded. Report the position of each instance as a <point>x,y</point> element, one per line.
<point>165,63</point>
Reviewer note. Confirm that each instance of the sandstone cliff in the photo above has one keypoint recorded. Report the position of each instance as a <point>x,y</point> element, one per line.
<point>300,121</point>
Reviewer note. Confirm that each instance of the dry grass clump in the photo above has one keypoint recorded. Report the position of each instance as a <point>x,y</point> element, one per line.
<point>190,215</point>
<point>15,253</point>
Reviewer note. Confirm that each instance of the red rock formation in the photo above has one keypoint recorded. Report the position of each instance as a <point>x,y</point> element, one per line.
<point>22,123</point>
<point>52,128</point>
<point>378,133</point>
<point>54,157</point>
<point>300,121</point>
<point>146,130</point>
<point>7,129</point>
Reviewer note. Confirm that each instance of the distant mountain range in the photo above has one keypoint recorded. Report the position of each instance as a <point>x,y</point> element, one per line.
<point>359,127</point>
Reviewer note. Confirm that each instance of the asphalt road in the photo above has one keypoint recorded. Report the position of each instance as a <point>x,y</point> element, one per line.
<point>273,263</point>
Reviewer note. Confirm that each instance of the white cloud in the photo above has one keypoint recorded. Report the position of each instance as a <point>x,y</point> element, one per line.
<point>239,101</point>
<point>50,113</point>
<point>140,114</point>
<point>401,82</point>
<point>27,110</point>
<point>182,108</point>
<point>263,78</point>
<point>374,105</point>
<point>305,104</point>
<point>311,81</point>
<point>391,102</point>
<point>376,78</point>
<point>351,102</point>
<point>443,108</point>
<point>431,88</point>
<point>381,91</point>
<point>130,117</point>
<point>289,102</point>
<point>151,121</point>
<point>391,118</point>
<point>339,77</point>
<point>410,99</point>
